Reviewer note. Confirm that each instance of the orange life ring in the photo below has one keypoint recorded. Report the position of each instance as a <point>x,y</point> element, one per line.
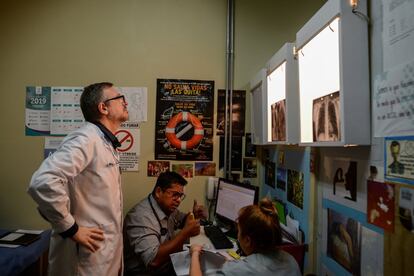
<point>174,139</point>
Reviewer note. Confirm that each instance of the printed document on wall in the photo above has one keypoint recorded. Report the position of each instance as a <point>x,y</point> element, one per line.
<point>37,111</point>
<point>393,102</point>
<point>398,32</point>
<point>136,98</point>
<point>66,114</point>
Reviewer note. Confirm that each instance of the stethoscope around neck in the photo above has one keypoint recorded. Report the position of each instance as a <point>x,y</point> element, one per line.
<point>163,230</point>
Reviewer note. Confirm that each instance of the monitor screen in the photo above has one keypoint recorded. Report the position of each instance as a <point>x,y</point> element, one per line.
<point>232,196</point>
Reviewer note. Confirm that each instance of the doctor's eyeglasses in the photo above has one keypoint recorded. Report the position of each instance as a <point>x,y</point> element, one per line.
<point>176,195</point>
<point>115,98</point>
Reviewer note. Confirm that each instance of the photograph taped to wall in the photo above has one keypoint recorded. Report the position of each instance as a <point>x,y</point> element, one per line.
<point>249,168</point>
<point>399,159</point>
<point>344,241</point>
<point>406,208</point>
<point>326,118</point>
<point>279,121</point>
<point>185,170</point>
<point>281,178</point>
<point>295,187</point>
<point>340,170</point>
<point>270,173</point>
<point>205,168</point>
<point>249,148</point>
<point>344,180</point>
<point>155,168</point>
<point>238,112</point>
<point>380,204</point>
<point>236,153</point>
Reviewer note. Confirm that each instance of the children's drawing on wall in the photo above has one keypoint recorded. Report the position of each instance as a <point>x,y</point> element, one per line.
<point>155,168</point>
<point>345,180</point>
<point>249,167</point>
<point>281,178</point>
<point>185,170</point>
<point>399,159</point>
<point>205,169</point>
<point>270,171</point>
<point>344,241</point>
<point>250,149</point>
<point>326,118</point>
<point>406,208</point>
<point>295,187</point>
<point>380,205</point>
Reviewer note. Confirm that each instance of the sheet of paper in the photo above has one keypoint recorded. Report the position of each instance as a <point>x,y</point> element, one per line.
<point>11,237</point>
<point>9,245</point>
<point>27,231</point>
<point>398,32</point>
<point>210,261</point>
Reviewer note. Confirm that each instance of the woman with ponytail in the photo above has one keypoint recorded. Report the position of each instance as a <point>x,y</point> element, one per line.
<point>259,234</point>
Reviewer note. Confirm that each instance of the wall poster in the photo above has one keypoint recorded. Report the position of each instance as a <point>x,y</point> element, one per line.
<point>393,99</point>
<point>238,110</point>
<point>184,120</point>
<point>399,159</point>
<point>37,111</point>
<point>344,241</point>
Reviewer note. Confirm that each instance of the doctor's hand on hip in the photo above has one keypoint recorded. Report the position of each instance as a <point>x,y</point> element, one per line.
<point>89,237</point>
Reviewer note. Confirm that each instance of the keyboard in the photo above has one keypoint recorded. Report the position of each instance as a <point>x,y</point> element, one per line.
<point>217,237</point>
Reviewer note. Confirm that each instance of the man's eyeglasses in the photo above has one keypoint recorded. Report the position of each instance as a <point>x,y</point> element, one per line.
<point>176,195</point>
<point>115,98</point>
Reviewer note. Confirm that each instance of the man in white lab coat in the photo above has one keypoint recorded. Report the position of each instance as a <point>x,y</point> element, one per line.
<point>78,190</point>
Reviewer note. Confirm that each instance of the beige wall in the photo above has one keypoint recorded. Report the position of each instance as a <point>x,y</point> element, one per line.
<point>130,43</point>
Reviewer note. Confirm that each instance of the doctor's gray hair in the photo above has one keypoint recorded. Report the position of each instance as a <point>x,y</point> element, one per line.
<point>92,95</point>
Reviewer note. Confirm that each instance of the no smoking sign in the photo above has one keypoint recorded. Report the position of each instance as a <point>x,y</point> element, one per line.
<point>126,139</point>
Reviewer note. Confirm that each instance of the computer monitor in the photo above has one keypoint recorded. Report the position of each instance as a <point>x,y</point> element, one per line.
<point>231,197</point>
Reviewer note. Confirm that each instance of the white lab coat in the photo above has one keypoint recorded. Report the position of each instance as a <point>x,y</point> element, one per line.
<point>81,182</point>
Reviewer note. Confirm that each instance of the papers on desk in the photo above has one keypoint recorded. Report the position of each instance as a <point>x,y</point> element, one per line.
<point>210,262</point>
<point>19,237</point>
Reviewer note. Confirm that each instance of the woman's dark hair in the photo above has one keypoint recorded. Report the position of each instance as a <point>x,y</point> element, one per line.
<point>91,96</point>
<point>261,224</point>
<point>166,179</point>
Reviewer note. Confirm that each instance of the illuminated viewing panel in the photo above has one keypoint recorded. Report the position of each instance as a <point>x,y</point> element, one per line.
<point>276,100</point>
<point>319,86</point>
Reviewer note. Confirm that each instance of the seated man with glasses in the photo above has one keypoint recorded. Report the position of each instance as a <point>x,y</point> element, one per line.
<point>150,228</point>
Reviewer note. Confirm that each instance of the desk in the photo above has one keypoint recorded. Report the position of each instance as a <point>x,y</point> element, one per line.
<point>14,261</point>
<point>296,250</point>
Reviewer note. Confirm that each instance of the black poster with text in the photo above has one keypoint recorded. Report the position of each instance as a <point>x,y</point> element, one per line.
<point>184,120</point>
